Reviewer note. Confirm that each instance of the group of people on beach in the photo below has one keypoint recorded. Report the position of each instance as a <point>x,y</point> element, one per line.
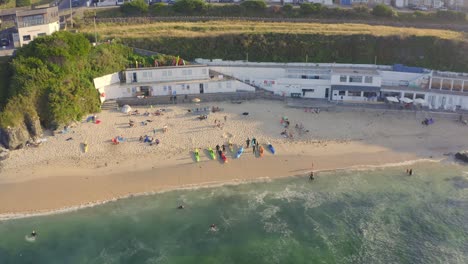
<point>254,143</point>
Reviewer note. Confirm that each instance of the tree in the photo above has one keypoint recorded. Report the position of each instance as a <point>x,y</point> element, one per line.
<point>136,7</point>
<point>189,6</point>
<point>20,3</point>
<point>382,10</point>
<point>308,8</point>
<point>254,5</point>
<point>287,8</point>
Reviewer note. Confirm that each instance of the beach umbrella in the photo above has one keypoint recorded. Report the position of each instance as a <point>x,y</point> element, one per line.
<point>392,99</point>
<point>406,100</point>
<point>126,108</point>
<point>196,100</point>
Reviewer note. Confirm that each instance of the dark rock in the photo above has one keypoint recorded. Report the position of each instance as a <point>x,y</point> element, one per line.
<point>16,137</point>
<point>33,125</point>
<point>4,153</point>
<point>462,155</point>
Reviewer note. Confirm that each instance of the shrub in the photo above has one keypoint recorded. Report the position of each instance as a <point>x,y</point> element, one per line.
<point>451,15</point>
<point>136,7</point>
<point>189,6</point>
<point>254,5</point>
<point>20,3</point>
<point>288,8</point>
<point>382,10</point>
<point>308,8</point>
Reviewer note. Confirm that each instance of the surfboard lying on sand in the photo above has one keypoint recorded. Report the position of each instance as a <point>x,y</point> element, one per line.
<point>212,154</point>
<point>260,151</point>
<point>239,152</point>
<point>271,148</point>
<point>224,158</point>
<point>197,155</point>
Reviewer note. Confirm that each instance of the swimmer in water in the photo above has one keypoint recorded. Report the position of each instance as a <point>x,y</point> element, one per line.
<point>33,233</point>
<point>213,226</point>
<point>180,207</point>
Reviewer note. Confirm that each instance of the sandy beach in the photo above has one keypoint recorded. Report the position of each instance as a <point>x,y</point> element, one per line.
<point>59,174</point>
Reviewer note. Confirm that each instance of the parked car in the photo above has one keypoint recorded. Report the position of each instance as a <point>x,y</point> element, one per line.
<point>4,42</point>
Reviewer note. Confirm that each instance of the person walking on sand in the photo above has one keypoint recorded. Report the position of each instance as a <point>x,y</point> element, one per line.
<point>225,118</point>
<point>253,149</point>
<point>248,142</point>
<point>253,141</point>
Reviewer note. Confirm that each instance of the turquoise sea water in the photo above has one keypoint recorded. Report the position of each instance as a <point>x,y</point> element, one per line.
<point>379,216</point>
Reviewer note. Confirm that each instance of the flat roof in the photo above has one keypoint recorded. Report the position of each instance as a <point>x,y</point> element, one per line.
<point>38,11</point>
<point>174,82</point>
<point>420,90</point>
<point>165,67</point>
<point>355,88</point>
<point>355,71</point>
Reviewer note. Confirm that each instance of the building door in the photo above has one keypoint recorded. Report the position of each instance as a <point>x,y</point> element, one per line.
<point>201,88</point>
<point>134,77</point>
<point>326,92</point>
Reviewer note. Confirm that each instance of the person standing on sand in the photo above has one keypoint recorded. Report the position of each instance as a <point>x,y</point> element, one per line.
<point>248,142</point>
<point>410,172</point>
<point>217,148</point>
<point>225,118</point>
<point>224,148</point>
<point>253,149</point>
<point>253,141</point>
<point>256,144</point>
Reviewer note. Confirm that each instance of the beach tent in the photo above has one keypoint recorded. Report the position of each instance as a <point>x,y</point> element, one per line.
<point>392,99</point>
<point>406,100</point>
<point>420,101</point>
<point>126,108</point>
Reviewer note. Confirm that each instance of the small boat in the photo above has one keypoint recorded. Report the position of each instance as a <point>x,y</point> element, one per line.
<point>239,152</point>
<point>271,148</point>
<point>197,155</point>
<point>212,154</point>
<point>260,151</point>
<point>224,158</point>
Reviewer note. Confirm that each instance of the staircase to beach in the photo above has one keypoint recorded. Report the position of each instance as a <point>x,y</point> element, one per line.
<point>109,105</point>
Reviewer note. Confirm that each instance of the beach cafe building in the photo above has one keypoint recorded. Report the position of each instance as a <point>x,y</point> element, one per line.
<point>166,81</point>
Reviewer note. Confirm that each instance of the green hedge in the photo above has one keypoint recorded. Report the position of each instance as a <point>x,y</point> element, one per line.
<point>430,52</point>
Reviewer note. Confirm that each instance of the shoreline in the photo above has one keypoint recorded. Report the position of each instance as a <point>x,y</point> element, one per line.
<point>59,176</point>
<point>67,209</point>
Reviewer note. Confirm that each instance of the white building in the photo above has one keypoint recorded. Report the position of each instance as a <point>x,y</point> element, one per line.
<point>351,82</point>
<point>35,23</point>
<point>159,81</point>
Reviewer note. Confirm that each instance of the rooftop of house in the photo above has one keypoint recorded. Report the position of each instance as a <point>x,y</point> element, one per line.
<point>38,11</point>
<point>351,71</point>
<point>166,67</point>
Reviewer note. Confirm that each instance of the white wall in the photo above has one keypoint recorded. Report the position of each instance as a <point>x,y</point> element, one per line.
<point>286,86</point>
<point>255,75</point>
<point>166,74</point>
<point>106,80</point>
<point>376,80</point>
<point>34,31</point>
<point>392,78</point>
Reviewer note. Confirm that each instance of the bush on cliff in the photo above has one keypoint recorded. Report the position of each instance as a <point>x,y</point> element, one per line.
<point>52,79</point>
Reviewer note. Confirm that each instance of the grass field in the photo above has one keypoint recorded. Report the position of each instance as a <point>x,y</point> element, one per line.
<point>217,28</point>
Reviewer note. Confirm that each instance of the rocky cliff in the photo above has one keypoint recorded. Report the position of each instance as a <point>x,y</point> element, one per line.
<point>16,137</point>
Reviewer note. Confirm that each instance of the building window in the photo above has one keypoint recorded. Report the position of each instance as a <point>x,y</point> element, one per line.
<point>169,73</point>
<point>189,72</point>
<point>188,87</point>
<point>354,93</point>
<point>341,92</point>
<point>419,96</point>
<point>26,37</point>
<point>147,74</point>
<point>355,79</point>
<point>343,78</point>
<point>368,79</point>
<point>184,72</point>
<point>370,94</point>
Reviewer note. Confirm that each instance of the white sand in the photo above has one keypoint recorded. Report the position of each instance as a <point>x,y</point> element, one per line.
<point>335,140</point>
